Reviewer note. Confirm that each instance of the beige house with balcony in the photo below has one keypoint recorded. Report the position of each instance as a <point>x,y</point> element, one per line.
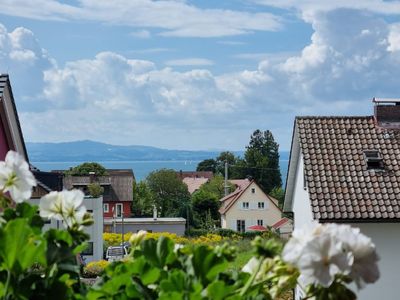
<point>247,206</point>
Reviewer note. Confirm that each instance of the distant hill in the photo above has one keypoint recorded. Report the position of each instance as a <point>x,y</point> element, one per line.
<point>95,151</point>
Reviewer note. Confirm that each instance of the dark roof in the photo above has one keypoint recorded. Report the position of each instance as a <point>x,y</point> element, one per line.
<point>50,181</point>
<point>340,186</point>
<point>5,83</point>
<point>195,174</point>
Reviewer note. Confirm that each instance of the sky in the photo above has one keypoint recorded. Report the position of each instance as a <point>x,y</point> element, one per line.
<point>194,75</point>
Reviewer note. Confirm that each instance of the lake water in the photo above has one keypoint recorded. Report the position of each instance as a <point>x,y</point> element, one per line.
<point>140,168</point>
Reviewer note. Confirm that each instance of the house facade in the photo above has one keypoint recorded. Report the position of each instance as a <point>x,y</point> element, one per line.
<point>118,190</point>
<point>347,170</point>
<point>247,206</point>
<point>11,138</point>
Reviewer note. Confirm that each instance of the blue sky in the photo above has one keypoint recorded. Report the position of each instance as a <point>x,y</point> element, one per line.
<point>194,74</point>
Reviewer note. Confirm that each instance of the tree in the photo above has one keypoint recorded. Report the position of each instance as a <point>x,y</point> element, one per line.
<point>262,160</point>
<point>207,165</point>
<point>205,201</point>
<point>170,194</point>
<point>95,190</point>
<point>143,202</point>
<point>86,168</point>
<point>279,194</point>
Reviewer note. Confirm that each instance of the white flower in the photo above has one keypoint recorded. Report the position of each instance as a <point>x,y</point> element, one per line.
<point>251,265</point>
<point>16,178</point>
<point>137,238</point>
<point>322,259</point>
<point>65,206</point>
<point>323,251</point>
<point>51,206</point>
<point>365,265</point>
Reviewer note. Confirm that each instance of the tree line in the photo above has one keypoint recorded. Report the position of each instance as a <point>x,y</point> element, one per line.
<point>164,189</point>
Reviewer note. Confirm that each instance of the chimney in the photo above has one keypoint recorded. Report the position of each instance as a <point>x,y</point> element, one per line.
<point>387,112</point>
<point>155,212</point>
<point>92,176</point>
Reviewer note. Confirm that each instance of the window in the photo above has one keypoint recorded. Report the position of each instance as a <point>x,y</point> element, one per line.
<point>261,205</point>
<point>240,226</point>
<point>253,190</point>
<point>373,159</point>
<point>88,250</point>
<point>106,207</point>
<point>260,222</point>
<point>245,205</point>
<point>119,210</point>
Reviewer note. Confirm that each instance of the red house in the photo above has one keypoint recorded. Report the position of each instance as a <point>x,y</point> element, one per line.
<point>118,190</point>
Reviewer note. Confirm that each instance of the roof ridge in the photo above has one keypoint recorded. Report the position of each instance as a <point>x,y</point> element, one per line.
<point>333,117</point>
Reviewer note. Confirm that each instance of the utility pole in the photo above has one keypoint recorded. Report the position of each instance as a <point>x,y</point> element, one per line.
<point>123,229</point>
<point>226,178</point>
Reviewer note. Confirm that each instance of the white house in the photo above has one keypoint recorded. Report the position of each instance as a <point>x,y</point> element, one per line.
<point>247,206</point>
<point>347,170</point>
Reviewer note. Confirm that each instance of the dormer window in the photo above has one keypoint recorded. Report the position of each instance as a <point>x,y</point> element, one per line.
<point>373,159</point>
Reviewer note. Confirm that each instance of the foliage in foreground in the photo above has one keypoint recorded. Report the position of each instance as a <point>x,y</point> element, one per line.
<point>42,265</point>
<point>161,269</point>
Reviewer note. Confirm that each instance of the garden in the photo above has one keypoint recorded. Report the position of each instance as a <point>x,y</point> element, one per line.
<point>323,260</point>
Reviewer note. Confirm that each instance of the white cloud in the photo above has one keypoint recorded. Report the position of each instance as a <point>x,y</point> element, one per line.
<point>141,34</point>
<point>126,101</point>
<point>394,37</point>
<point>25,60</point>
<point>190,62</point>
<point>174,18</point>
<point>310,7</point>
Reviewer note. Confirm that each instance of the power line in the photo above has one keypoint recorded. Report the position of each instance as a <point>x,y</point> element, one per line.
<point>245,167</point>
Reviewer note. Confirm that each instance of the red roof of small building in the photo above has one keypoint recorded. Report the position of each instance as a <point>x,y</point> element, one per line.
<point>280,223</point>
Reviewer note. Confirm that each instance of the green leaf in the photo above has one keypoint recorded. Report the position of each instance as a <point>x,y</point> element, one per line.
<point>150,275</point>
<point>20,247</point>
<point>218,290</point>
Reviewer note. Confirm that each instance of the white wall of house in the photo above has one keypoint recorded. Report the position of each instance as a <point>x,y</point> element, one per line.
<point>95,231</point>
<point>269,215</point>
<point>301,201</point>
<point>384,235</point>
<point>387,241</point>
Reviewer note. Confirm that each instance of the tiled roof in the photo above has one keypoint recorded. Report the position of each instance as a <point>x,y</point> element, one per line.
<point>194,184</point>
<point>280,223</point>
<point>230,199</point>
<point>3,83</point>
<point>339,184</point>
<point>195,174</point>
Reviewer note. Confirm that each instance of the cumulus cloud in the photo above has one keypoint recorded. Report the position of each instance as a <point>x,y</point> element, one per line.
<point>309,7</point>
<point>175,18</point>
<point>22,56</point>
<point>125,101</point>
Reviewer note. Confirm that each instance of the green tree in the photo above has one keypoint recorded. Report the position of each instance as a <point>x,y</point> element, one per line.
<point>207,165</point>
<point>95,190</point>
<point>142,204</point>
<point>262,160</point>
<point>279,194</point>
<point>86,168</point>
<point>170,194</point>
<point>205,201</point>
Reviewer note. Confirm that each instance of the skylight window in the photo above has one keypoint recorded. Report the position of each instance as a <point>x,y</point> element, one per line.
<point>373,159</point>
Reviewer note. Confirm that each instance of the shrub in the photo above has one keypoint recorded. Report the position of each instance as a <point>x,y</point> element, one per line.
<point>94,269</point>
<point>95,190</point>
